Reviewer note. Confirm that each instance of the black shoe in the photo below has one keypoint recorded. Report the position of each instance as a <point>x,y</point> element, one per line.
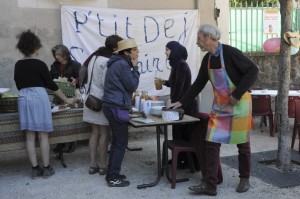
<point>48,172</point>
<point>102,171</point>
<point>37,172</point>
<point>93,170</point>
<point>119,176</point>
<point>118,182</point>
<point>202,188</point>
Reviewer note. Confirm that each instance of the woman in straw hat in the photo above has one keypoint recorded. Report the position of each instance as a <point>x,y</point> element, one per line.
<point>121,80</point>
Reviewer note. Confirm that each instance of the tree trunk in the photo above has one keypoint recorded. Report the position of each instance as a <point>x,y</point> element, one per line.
<point>283,160</point>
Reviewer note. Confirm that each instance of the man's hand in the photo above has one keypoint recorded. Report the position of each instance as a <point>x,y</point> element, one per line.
<point>175,105</point>
<point>234,101</point>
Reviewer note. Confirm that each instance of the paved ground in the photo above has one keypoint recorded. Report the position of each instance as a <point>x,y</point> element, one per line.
<point>140,167</point>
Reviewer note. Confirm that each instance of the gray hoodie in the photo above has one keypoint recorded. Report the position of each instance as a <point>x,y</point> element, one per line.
<point>120,82</point>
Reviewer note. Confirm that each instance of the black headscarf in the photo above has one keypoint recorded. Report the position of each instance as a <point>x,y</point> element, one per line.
<point>178,52</point>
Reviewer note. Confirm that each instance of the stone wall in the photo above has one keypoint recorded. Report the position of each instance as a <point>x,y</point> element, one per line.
<point>268,64</point>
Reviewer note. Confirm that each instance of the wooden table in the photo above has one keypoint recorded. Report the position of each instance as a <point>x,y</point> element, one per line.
<point>158,122</point>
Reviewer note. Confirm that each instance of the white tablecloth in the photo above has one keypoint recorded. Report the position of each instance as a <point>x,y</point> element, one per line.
<point>273,92</point>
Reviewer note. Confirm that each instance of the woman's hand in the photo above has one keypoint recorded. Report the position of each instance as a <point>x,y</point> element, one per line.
<point>134,61</point>
<point>70,101</point>
<point>175,105</point>
<point>73,81</point>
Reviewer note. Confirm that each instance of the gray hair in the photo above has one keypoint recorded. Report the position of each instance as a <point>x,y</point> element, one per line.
<point>61,50</point>
<point>210,30</point>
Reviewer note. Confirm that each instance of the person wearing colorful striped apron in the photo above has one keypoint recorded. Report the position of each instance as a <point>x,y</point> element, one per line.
<point>229,124</point>
<point>231,75</point>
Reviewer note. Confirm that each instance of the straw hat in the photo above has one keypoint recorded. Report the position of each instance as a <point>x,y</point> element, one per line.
<point>126,44</point>
<point>292,38</point>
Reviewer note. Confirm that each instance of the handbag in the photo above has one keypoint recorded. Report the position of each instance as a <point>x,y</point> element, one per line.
<point>91,101</point>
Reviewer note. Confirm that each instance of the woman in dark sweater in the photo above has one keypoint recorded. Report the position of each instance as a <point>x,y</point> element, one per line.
<point>179,83</point>
<point>32,77</point>
<point>64,66</point>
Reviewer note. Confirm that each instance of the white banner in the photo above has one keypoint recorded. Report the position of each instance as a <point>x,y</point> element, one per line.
<point>84,30</point>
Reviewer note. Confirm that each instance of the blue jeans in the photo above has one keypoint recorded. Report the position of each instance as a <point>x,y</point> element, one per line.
<point>118,144</point>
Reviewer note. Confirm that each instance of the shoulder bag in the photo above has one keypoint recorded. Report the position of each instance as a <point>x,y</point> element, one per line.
<point>91,101</point>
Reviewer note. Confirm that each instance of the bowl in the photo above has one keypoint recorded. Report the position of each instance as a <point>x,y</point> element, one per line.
<point>157,103</point>
<point>3,90</point>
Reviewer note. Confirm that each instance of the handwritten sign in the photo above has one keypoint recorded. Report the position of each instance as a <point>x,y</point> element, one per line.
<point>84,29</point>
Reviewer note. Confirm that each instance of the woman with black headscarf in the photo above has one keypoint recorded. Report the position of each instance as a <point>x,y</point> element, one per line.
<point>179,82</point>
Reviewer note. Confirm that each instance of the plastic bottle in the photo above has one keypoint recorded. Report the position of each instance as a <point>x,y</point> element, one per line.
<point>137,101</point>
<point>142,101</point>
<point>136,93</point>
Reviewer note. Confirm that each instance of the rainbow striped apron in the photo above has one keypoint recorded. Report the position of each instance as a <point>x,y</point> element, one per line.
<point>228,124</point>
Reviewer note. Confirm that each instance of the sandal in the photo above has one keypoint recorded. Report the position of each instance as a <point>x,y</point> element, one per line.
<point>102,171</point>
<point>93,170</point>
<point>202,188</point>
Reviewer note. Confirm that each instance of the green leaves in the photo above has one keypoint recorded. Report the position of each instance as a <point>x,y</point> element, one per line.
<point>260,3</point>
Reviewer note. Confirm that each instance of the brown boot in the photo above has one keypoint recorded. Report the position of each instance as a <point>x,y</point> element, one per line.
<point>243,186</point>
<point>203,188</point>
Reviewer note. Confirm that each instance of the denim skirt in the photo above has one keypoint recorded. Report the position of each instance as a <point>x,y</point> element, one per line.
<point>35,110</point>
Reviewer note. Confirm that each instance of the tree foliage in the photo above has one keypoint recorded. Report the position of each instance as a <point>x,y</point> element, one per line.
<point>264,3</point>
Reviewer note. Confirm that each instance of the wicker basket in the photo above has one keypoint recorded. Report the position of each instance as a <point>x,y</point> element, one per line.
<point>66,88</point>
<point>9,105</point>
